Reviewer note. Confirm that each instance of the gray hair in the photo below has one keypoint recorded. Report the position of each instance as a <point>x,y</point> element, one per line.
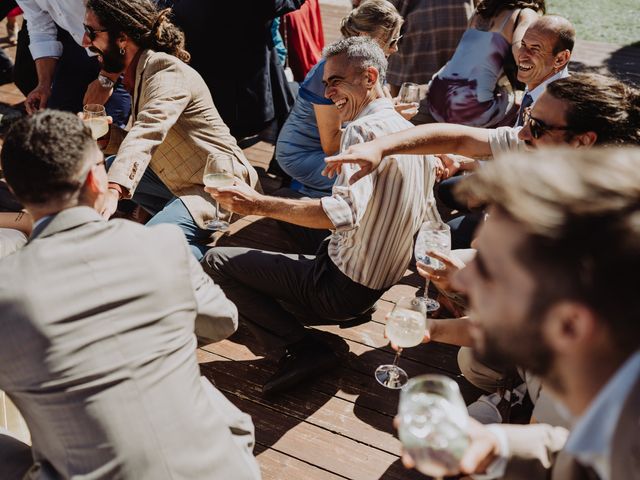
<point>363,52</point>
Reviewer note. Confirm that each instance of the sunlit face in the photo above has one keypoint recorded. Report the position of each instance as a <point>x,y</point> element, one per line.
<point>536,60</point>
<point>98,41</point>
<point>501,293</point>
<point>550,112</point>
<point>347,87</point>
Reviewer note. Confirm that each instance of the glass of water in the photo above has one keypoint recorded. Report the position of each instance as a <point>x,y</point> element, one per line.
<point>409,93</point>
<point>433,236</point>
<point>218,173</point>
<point>433,423</point>
<point>406,326</point>
<point>95,117</point>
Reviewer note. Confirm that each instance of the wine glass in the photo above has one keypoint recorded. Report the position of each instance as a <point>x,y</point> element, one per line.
<point>218,173</point>
<point>406,326</point>
<point>409,93</point>
<point>95,116</point>
<point>432,425</point>
<point>433,236</point>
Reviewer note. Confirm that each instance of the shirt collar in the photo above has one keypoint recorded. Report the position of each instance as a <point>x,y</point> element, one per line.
<point>374,107</point>
<point>536,92</point>
<point>592,435</point>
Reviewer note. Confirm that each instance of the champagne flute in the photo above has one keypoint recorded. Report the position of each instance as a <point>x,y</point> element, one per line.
<point>433,236</point>
<point>406,326</point>
<point>218,173</point>
<point>95,116</point>
<point>433,424</point>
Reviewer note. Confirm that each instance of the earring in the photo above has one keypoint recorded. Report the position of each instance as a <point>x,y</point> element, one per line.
<point>122,51</point>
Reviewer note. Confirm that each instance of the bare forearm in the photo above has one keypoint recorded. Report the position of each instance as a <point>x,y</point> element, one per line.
<point>306,213</point>
<point>46,68</point>
<point>437,138</point>
<point>454,331</point>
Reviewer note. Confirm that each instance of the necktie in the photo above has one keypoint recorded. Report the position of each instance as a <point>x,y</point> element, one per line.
<point>526,103</point>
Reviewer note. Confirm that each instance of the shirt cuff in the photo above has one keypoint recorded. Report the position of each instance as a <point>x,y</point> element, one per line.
<point>338,211</point>
<point>498,467</point>
<point>49,48</point>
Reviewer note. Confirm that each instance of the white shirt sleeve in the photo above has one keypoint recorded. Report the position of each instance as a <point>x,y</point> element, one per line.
<point>504,140</point>
<point>43,32</point>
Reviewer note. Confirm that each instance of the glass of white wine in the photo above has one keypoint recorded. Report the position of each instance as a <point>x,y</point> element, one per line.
<point>433,424</point>
<point>95,117</point>
<point>433,236</point>
<point>409,93</point>
<point>406,326</point>
<point>218,173</point>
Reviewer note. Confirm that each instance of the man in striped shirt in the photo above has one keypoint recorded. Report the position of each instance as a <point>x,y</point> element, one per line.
<point>372,222</point>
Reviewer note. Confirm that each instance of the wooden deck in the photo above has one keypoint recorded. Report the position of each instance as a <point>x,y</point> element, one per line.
<point>337,426</point>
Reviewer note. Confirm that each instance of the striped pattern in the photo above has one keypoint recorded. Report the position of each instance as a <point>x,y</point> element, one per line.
<point>377,217</point>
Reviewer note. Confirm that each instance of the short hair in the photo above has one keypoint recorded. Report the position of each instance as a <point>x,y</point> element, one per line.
<point>372,17</point>
<point>561,28</point>
<point>362,52</point>
<point>600,104</point>
<point>44,156</point>
<point>580,210</point>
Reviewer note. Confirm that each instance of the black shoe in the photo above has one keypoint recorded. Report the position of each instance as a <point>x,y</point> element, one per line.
<point>300,362</point>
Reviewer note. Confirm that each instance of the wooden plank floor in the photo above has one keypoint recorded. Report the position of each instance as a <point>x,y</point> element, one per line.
<point>337,426</point>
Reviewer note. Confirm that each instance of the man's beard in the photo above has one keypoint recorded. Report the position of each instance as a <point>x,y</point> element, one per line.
<point>112,61</point>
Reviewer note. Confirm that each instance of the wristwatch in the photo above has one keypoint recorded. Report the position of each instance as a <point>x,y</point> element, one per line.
<point>105,81</point>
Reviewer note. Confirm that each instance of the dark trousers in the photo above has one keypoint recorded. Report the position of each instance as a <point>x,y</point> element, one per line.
<point>74,72</point>
<point>262,283</point>
<point>463,227</point>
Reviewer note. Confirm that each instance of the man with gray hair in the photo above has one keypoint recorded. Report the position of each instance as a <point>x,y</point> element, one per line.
<point>372,224</point>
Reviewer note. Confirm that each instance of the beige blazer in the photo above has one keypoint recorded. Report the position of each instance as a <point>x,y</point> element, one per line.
<point>536,450</point>
<point>174,126</point>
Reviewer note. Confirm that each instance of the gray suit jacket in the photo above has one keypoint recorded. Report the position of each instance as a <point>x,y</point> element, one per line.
<point>97,350</point>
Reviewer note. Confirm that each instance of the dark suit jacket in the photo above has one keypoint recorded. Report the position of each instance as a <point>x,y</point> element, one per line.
<point>231,47</point>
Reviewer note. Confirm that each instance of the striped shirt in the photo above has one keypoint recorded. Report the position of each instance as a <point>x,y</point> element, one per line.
<point>376,218</point>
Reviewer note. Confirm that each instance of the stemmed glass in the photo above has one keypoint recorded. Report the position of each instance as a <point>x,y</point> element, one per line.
<point>218,173</point>
<point>95,116</point>
<point>432,425</point>
<point>433,236</point>
<point>409,93</point>
<point>406,326</point>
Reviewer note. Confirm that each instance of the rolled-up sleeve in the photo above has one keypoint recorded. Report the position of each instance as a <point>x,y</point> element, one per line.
<point>43,33</point>
<point>505,140</point>
<point>348,203</point>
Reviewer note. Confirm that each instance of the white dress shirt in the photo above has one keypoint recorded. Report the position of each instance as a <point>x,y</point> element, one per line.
<point>43,16</point>
<point>536,92</point>
<point>376,218</point>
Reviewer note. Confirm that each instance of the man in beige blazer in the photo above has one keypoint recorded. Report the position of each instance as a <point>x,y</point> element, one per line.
<point>97,319</point>
<point>174,124</point>
<point>551,289</point>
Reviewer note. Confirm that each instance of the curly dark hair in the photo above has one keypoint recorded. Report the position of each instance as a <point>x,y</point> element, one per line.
<point>600,104</point>
<point>44,156</point>
<point>143,22</point>
<point>490,8</point>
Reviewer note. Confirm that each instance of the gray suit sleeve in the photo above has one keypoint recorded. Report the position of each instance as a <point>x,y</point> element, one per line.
<point>217,315</point>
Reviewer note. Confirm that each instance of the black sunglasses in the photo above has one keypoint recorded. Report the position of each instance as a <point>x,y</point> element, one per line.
<point>91,32</point>
<point>538,128</point>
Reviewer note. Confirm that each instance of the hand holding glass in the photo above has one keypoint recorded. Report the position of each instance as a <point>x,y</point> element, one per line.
<point>95,116</point>
<point>406,327</point>
<point>433,422</point>
<point>433,236</point>
<point>218,173</point>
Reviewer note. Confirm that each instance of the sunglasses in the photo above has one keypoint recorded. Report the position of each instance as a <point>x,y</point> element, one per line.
<point>91,32</point>
<point>538,128</point>
<point>394,41</point>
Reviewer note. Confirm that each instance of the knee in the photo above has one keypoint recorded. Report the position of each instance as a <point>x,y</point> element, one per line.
<point>477,373</point>
<point>214,262</point>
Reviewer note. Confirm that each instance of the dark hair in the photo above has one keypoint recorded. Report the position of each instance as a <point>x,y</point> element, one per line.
<point>600,104</point>
<point>490,8</point>
<point>141,20</point>
<point>44,156</point>
<point>580,211</point>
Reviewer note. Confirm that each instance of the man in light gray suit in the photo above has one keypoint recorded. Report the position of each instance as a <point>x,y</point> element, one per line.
<point>97,344</point>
